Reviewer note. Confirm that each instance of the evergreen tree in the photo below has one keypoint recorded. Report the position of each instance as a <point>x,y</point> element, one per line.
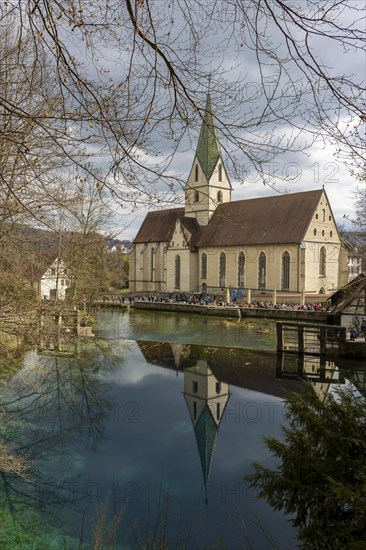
<point>321,475</point>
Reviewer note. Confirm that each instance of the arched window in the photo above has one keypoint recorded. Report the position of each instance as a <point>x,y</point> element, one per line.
<point>204,287</point>
<point>322,261</point>
<point>331,233</point>
<point>241,269</point>
<point>323,214</point>
<point>204,266</point>
<point>222,270</point>
<point>262,270</point>
<point>322,232</point>
<point>196,196</point>
<point>314,231</point>
<point>285,282</point>
<point>219,196</point>
<point>196,173</point>
<point>177,272</point>
<point>152,264</point>
<point>220,172</point>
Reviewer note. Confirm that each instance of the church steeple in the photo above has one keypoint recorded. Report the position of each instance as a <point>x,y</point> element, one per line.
<point>208,148</point>
<point>208,184</point>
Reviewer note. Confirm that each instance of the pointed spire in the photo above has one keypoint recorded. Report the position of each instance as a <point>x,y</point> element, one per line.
<point>205,431</point>
<point>208,148</point>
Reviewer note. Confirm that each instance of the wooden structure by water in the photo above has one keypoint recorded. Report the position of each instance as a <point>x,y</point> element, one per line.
<point>311,339</point>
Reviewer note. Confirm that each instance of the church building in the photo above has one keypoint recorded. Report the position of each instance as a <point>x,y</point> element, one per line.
<point>285,242</point>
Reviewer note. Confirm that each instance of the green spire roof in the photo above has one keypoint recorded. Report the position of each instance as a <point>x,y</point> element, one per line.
<point>208,148</point>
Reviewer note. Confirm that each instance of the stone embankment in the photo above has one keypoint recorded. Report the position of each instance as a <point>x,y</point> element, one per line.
<point>227,311</point>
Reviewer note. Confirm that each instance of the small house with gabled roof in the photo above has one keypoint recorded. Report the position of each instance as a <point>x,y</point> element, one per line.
<point>55,281</point>
<point>288,242</point>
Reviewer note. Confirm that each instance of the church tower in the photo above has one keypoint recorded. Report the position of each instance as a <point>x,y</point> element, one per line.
<point>208,184</point>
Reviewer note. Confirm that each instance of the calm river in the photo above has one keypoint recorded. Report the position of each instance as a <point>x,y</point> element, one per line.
<point>148,432</point>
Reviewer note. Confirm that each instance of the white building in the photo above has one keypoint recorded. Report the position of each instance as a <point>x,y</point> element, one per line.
<point>54,281</point>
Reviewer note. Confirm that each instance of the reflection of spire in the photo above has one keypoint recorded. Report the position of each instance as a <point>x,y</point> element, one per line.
<point>208,148</point>
<point>205,431</point>
<point>206,398</point>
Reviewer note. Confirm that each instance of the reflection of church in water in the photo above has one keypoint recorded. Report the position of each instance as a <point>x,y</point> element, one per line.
<point>208,374</point>
<point>206,399</point>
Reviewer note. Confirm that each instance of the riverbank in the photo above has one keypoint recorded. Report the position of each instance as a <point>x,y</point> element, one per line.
<point>229,311</point>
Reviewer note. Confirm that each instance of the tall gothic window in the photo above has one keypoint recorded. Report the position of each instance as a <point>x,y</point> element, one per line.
<point>241,269</point>
<point>196,196</point>
<point>196,173</point>
<point>219,196</point>
<point>285,283</point>
<point>152,264</point>
<point>177,272</point>
<point>323,261</point>
<point>222,270</point>
<point>262,270</point>
<point>204,266</point>
<point>220,172</point>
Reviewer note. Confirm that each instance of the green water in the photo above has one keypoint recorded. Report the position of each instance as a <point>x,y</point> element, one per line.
<point>151,426</point>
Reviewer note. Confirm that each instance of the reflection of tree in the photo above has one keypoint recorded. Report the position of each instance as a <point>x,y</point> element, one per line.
<point>50,408</point>
<point>321,477</point>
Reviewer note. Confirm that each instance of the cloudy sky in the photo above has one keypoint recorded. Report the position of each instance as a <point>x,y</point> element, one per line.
<point>292,171</point>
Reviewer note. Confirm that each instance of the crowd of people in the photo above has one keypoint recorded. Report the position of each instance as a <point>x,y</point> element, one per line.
<point>203,299</point>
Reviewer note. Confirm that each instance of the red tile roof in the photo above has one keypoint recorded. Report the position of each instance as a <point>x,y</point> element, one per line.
<point>267,220</point>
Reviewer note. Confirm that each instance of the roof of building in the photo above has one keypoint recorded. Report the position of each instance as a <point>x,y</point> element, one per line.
<point>158,226</point>
<point>208,148</point>
<point>343,297</point>
<point>264,220</point>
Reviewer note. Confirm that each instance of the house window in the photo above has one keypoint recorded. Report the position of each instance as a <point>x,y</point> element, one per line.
<point>322,261</point>
<point>194,387</point>
<point>53,272</point>
<point>262,270</point>
<point>177,272</point>
<point>196,196</point>
<point>241,269</point>
<point>316,216</point>
<point>220,172</point>
<point>323,233</point>
<point>331,233</point>
<point>196,173</point>
<point>218,387</point>
<point>204,266</point>
<point>285,283</point>
<point>314,231</point>
<point>219,196</point>
<point>222,270</point>
<point>330,218</point>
